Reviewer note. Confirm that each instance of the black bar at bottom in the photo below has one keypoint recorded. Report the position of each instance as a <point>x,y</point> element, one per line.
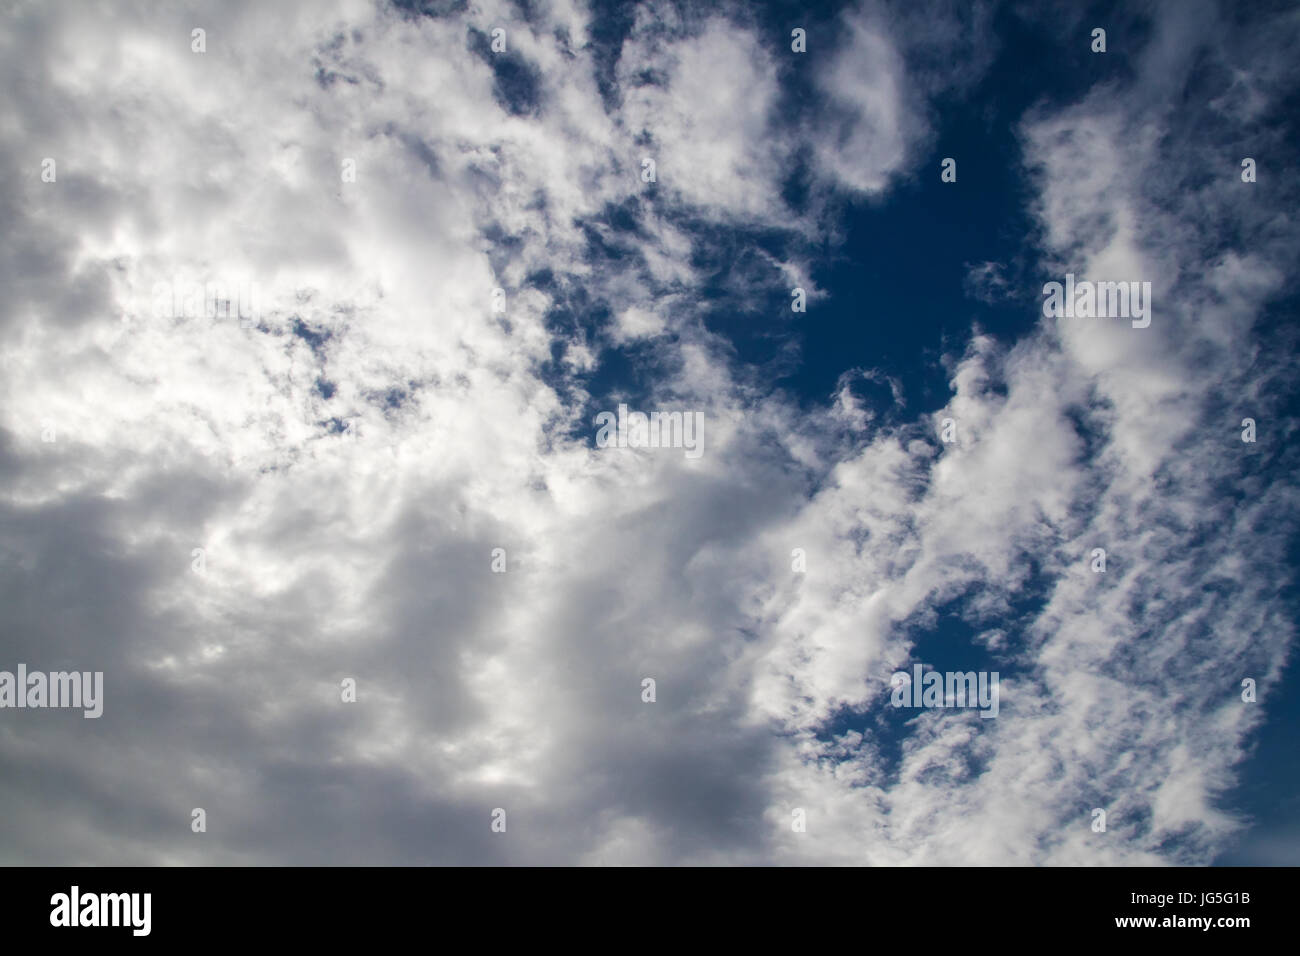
<point>873,906</point>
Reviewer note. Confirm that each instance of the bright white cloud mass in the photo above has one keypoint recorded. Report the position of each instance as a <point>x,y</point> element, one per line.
<point>347,461</point>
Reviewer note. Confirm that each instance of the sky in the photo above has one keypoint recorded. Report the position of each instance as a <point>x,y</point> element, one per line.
<point>309,319</point>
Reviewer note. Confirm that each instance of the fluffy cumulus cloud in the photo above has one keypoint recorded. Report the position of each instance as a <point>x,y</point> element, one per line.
<point>449,259</point>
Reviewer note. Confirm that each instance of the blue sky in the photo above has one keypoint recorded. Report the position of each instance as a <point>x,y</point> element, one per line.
<point>459,263</point>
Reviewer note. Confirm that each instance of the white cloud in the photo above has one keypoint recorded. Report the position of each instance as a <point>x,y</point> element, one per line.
<point>709,116</point>
<point>370,557</point>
